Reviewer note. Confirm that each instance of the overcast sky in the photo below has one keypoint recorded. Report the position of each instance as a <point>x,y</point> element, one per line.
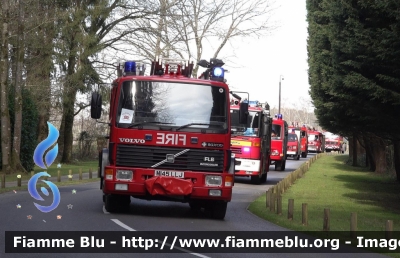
<point>284,52</point>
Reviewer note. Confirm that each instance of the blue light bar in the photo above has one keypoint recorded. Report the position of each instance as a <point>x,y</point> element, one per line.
<point>280,116</point>
<point>253,103</point>
<point>217,74</point>
<point>130,67</point>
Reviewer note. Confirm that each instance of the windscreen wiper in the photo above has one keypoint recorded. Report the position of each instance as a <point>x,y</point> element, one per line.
<point>142,123</point>
<point>186,125</point>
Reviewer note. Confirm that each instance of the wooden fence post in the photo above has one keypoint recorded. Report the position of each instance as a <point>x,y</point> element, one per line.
<point>267,198</point>
<point>326,226</point>
<point>304,214</point>
<point>279,205</point>
<point>290,209</point>
<point>389,229</point>
<point>353,225</point>
<point>70,175</point>
<point>272,202</point>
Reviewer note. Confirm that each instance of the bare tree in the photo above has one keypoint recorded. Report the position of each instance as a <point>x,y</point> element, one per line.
<point>5,115</point>
<point>183,27</point>
<point>16,146</point>
<point>220,21</point>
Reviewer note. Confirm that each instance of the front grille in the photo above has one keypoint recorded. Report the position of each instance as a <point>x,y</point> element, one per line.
<point>236,150</point>
<point>194,159</point>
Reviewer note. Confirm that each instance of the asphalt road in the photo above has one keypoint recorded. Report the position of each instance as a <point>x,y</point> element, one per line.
<point>88,214</point>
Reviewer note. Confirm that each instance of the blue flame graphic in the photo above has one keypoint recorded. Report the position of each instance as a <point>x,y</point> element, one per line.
<point>38,159</point>
<point>32,190</point>
<point>44,145</point>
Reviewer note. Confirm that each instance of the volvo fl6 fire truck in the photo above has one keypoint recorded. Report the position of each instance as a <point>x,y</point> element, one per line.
<point>279,138</point>
<point>251,142</point>
<point>301,133</point>
<point>169,136</point>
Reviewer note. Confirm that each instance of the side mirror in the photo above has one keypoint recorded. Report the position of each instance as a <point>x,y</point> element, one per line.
<point>95,105</point>
<point>243,112</point>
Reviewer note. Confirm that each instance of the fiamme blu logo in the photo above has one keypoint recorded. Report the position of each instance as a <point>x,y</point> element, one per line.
<point>45,162</point>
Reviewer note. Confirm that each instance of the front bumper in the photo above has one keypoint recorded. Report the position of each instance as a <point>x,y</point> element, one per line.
<point>137,186</point>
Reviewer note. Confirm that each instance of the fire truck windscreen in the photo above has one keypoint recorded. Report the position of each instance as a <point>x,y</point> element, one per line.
<point>292,137</point>
<point>312,137</point>
<point>189,107</point>
<point>276,132</point>
<point>250,129</point>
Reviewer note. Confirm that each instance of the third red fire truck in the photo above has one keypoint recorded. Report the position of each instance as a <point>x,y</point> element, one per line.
<point>167,144</point>
<point>279,142</point>
<point>301,133</point>
<point>251,142</point>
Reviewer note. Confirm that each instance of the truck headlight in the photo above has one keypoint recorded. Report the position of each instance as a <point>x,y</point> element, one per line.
<point>213,180</point>
<point>124,174</point>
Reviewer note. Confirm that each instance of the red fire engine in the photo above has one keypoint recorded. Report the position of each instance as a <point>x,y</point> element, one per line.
<point>251,142</point>
<point>279,140</point>
<point>316,141</point>
<point>333,142</point>
<point>301,133</point>
<point>166,144</point>
<point>293,146</point>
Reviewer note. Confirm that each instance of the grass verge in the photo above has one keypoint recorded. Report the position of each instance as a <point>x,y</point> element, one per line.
<point>344,189</point>
<point>53,170</point>
<point>65,183</point>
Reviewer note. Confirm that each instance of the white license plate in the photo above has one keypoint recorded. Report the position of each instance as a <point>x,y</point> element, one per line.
<point>169,173</point>
<point>121,187</point>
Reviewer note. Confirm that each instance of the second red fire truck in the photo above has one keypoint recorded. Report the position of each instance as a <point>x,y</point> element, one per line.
<point>251,142</point>
<point>166,144</point>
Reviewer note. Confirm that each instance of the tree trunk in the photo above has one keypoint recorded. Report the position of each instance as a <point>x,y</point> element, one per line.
<point>378,151</point>
<point>4,112</point>
<point>396,147</point>
<point>68,118</point>
<point>16,146</point>
<point>369,159</point>
<point>354,150</point>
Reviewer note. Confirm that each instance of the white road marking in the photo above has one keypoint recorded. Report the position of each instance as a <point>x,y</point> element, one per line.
<point>119,223</point>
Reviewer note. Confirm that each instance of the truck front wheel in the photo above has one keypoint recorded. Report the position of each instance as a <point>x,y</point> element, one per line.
<point>255,180</point>
<point>195,205</point>
<point>264,178</point>
<point>277,165</point>
<point>218,209</point>
<point>114,203</point>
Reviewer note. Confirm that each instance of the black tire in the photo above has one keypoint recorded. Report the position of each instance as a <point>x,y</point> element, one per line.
<point>264,178</point>
<point>115,203</point>
<point>255,180</point>
<point>278,165</point>
<point>218,210</point>
<point>110,203</point>
<point>298,157</point>
<point>283,166</point>
<point>304,154</point>
<point>195,205</point>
